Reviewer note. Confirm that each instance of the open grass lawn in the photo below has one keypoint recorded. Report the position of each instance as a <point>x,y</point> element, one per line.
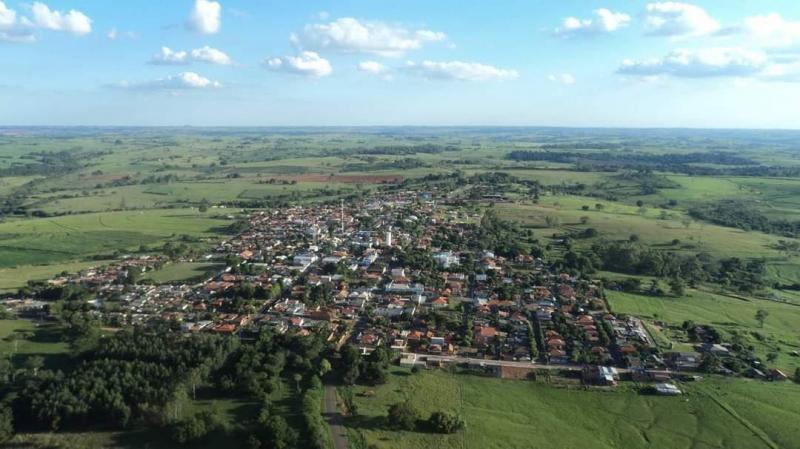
<point>55,240</point>
<point>183,272</point>
<point>728,314</point>
<point>14,278</point>
<point>21,339</point>
<point>522,414</point>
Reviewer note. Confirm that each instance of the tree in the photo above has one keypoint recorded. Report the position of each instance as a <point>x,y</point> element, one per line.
<point>444,422</point>
<point>584,220</point>
<point>6,423</point>
<point>797,375</point>
<point>402,416</point>
<point>203,207</point>
<point>324,367</point>
<point>677,286</point>
<point>34,363</point>
<point>761,316</point>
<point>297,378</point>
<point>709,364</point>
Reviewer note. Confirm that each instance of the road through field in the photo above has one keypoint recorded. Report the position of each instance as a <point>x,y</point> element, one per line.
<point>334,418</point>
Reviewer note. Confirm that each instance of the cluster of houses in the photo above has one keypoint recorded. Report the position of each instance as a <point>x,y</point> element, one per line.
<point>385,272</point>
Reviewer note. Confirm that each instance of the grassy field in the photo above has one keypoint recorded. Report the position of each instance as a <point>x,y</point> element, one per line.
<point>13,278</point>
<point>67,238</point>
<point>20,339</point>
<point>523,414</point>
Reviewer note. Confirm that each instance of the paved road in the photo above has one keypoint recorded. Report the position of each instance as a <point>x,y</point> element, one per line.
<point>334,418</point>
<point>487,362</point>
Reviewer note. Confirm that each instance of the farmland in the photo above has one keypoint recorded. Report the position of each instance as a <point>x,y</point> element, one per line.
<point>525,414</point>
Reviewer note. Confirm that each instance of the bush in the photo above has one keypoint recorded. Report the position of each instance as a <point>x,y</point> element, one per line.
<point>444,422</point>
<point>402,416</point>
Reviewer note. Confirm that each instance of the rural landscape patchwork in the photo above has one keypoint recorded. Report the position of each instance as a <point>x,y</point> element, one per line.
<point>463,282</point>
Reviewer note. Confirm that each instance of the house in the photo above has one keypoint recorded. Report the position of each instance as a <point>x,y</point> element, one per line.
<point>666,389</point>
<point>445,259</point>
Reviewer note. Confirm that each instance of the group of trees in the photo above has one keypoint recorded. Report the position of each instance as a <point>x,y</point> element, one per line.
<point>403,416</point>
<point>633,257</point>
<point>133,375</point>
<point>743,215</point>
<point>371,370</point>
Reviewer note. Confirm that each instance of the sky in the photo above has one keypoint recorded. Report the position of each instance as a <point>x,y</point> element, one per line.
<point>574,63</point>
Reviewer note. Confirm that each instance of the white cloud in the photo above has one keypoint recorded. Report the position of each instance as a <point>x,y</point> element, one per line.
<point>205,17</point>
<point>710,62</point>
<point>773,29</point>
<point>349,35</point>
<point>375,68</point>
<point>679,19</point>
<point>167,56</point>
<point>306,63</point>
<point>786,72</point>
<point>8,17</point>
<point>604,21</point>
<point>11,29</point>
<point>563,78</point>
<point>179,82</point>
<point>112,34</point>
<point>74,22</point>
<point>461,71</point>
<point>211,55</point>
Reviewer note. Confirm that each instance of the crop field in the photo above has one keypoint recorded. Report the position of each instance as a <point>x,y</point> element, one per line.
<point>523,414</point>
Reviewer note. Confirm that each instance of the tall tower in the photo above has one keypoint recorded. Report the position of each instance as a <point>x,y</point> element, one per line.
<point>342,216</point>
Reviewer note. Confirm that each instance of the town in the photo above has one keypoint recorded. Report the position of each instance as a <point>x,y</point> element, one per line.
<point>403,270</point>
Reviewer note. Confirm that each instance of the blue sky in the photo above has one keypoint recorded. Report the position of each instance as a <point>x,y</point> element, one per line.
<point>417,62</point>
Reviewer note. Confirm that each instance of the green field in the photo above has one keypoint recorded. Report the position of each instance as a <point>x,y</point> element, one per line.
<point>67,238</point>
<point>13,278</point>
<point>523,414</point>
<point>20,339</point>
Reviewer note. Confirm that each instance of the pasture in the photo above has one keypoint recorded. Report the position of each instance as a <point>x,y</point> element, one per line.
<point>525,414</point>
<point>75,237</point>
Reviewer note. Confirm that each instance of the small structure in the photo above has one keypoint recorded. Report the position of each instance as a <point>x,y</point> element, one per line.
<point>666,389</point>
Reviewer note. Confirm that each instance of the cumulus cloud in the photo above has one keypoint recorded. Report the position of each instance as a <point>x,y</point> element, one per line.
<point>710,62</point>
<point>564,78</point>
<point>773,29</point>
<point>180,82</point>
<point>211,56</point>
<point>307,63</point>
<point>604,21</point>
<point>167,56</point>
<point>205,17</point>
<point>74,22</point>
<point>460,71</point>
<point>11,29</point>
<point>349,35</point>
<point>679,19</point>
<point>19,29</point>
